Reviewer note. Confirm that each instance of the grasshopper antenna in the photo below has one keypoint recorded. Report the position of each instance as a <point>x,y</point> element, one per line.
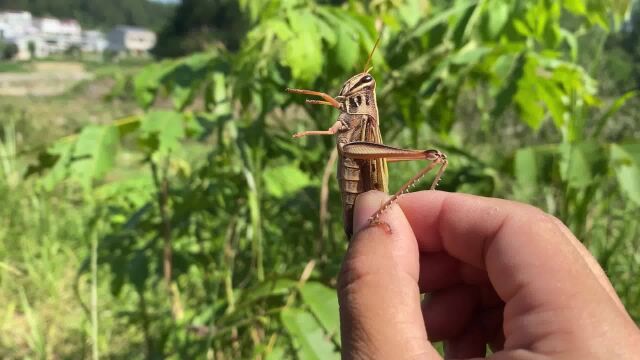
<point>366,65</point>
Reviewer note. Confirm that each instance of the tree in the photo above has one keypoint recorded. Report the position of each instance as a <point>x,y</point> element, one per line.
<point>99,14</point>
<point>196,24</point>
<point>32,49</point>
<point>10,51</point>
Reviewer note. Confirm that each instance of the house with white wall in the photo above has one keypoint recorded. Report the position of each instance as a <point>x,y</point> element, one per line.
<point>94,41</point>
<point>15,23</point>
<point>59,35</point>
<point>43,36</point>
<point>131,40</point>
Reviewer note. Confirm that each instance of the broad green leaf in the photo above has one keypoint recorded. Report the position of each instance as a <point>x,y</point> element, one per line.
<point>461,30</point>
<point>285,180</point>
<point>94,153</point>
<point>526,168</point>
<point>303,52</point>
<point>601,122</point>
<point>506,94</point>
<point>442,17</point>
<point>470,54</point>
<point>347,48</point>
<point>323,302</point>
<point>572,41</point>
<point>162,131</point>
<point>56,158</point>
<point>499,15</point>
<point>308,337</point>
<point>148,81</point>
<point>138,269</point>
<point>580,163</point>
<point>275,287</point>
<point>578,7</point>
<point>186,77</point>
<point>625,160</point>
<point>278,353</point>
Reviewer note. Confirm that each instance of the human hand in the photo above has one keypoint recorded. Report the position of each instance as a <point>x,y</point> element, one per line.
<point>497,272</point>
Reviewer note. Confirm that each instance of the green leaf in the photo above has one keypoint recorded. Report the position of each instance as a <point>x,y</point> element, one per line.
<point>498,17</point>
<point>612,110</point>
<point>94,153</point>
<point>186,77</point>
<point>285,180</point>
<point>162,131</point>
<point>506,94</point>
<point>625,160</point>
<point>442,18</point>
<point>303,52</point>
<point>526,168</point>
<point>138,269</point>
<point>460,31</point>
<point>308,337</point>
<point>470,54</point>
<point>347,48</point>
<point>580,163</point>
<point>275,287</point>
<point>148,81</point>
<point>323,302</point>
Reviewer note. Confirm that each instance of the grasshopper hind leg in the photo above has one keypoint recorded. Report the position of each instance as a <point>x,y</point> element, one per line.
<point>436,158</point>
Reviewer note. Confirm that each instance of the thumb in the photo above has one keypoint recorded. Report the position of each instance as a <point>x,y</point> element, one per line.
<point>380,312</point>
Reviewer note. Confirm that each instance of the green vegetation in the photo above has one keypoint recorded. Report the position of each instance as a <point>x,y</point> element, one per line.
<point>193,227</point>
<point>98,14</point>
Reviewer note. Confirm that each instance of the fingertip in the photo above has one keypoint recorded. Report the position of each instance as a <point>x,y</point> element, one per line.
<point>366,205</point>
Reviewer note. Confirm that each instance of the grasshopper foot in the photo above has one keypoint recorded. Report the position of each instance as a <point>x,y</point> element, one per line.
<point>373,222</point>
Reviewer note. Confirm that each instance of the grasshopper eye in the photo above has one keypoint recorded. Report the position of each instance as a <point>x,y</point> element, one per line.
<point>367,78</point>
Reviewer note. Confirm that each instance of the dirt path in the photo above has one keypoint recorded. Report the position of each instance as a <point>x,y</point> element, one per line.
<point>47,79</point>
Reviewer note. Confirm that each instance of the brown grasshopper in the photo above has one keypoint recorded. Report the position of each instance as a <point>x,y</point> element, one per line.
<point>363,157</point>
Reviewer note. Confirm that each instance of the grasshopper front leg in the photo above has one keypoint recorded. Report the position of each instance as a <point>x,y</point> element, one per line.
<point>363,150</point>
<point>331,131</point>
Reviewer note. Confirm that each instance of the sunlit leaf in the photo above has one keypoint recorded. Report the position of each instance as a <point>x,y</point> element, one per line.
<point>162,131</point>
<point>498,17</point>
<point>303,52</point>
<point>284,180</point>
<point>94,153</point>
<point>625,160</point>
<point>309,338</point>
<point>323,302</point>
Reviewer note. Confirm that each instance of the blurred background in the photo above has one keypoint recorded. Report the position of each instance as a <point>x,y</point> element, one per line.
<point>154,204</point>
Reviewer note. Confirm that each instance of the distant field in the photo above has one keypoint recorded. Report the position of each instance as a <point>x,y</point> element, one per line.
<point>55,77</point>
<point>51,99</point>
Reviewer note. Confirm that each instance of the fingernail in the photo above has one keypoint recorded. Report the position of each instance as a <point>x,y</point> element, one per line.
<point>366,205</point>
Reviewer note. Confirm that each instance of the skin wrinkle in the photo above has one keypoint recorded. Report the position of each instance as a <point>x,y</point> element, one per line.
<point>487,242</point>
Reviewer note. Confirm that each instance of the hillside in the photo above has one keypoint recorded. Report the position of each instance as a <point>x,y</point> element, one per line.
<point>98,14</point>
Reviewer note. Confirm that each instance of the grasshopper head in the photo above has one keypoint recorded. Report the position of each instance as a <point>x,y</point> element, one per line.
<point>358,83</point>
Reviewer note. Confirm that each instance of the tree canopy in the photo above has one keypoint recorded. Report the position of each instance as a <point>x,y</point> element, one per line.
<point>98,14</point>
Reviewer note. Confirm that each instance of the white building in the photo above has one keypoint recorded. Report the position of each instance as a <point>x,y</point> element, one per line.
<point>30,46</point>
<point>59,35</point>
<point>132,40</point>
<point>94,41</point>
<point>41,37</point>
<point>15,23</point>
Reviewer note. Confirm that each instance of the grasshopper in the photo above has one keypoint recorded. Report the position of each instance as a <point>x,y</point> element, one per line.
<point>363,158</point>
